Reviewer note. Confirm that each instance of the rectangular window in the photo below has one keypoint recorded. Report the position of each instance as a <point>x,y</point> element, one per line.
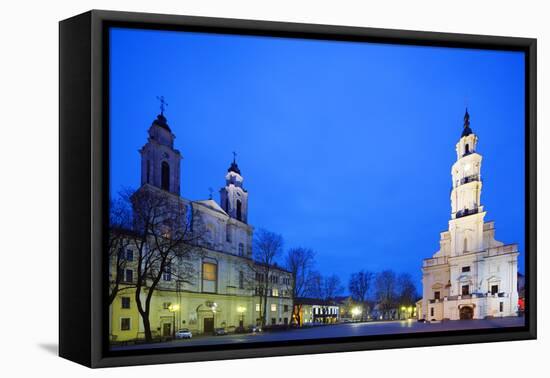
<point>241,249</point>
<point>125,302</point>
<point>273,321</point>
<point>494,289</point>
<point>273,307</point>
<point>129,255</point>
<point>228,233</point>
<point>432,311</point>
<point>241,280</point>
<point>501,306</point>
<point>465,269</point>
<point>209,272</point>
<point>465,289</point>
<point>257,307</point>
<point>285,308</point>
<point>209,277</point>
<point>166,305</point>
<point>124,324</point>
<point>437,295</point>
<point>167,274</point>
<point>129,275</point>
<point>275,292</point>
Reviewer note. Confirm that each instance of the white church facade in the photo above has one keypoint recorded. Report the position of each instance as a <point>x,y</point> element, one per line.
<point>472,276</point>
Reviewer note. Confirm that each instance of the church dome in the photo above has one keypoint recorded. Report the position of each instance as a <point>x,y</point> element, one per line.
<point>234,168</point>
<point>162,122</point>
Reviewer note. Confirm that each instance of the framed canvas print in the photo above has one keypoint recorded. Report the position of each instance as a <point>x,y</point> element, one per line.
<point>233,188</point>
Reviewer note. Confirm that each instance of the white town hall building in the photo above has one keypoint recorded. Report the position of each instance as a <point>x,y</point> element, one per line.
<point>472,276</point>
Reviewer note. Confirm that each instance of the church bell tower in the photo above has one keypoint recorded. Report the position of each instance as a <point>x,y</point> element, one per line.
<point>467,214</point>
<point>234,198</point>
<point>160,162</point>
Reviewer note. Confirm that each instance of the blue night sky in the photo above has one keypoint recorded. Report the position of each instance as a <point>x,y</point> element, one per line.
<point>345,147</point>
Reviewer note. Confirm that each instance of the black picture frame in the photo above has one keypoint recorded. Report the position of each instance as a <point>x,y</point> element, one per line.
<point>84,165</point>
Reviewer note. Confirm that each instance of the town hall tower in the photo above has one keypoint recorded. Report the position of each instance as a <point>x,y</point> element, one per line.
<point>472,275</point>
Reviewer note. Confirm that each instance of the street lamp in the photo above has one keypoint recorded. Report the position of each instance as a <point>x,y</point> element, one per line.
<point>173,308</point>
<point>241,311</point>
<point>356,311</point>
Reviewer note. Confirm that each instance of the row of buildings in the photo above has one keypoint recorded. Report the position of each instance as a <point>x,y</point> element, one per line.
<point>217,283</point>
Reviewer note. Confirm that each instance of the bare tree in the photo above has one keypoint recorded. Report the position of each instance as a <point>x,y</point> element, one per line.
<point>359,286</point>
<point>118,241</point>
<point>406,290</point>
<point>386,287</point>
<point>315,285</point>
<point>323,287</point>
<point>267,248</point>
<point>332,287</point>
<point>163,231</point>
<point>299,261</point>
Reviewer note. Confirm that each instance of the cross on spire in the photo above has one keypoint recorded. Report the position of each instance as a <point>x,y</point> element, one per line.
<point>234,156</point>
<point>163,104</point>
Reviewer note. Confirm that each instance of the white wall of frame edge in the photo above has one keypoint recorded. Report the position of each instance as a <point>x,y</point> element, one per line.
<point>28,156</point>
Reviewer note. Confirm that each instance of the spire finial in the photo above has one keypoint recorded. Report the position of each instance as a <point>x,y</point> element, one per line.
<point>163,104</point>
<point>234,157</point>
<point>466,131</point>
<point>466,118</point>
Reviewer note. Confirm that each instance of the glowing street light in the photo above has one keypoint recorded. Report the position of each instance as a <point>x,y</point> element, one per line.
<point>173,308</point>
<point>356,311</point>
<point>241,310</point>
<point>408,311</point>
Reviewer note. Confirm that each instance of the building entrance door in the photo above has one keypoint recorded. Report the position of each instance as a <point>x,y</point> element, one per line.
<point>167,329</point>
<point>208,325</point>
<point>466,313</point>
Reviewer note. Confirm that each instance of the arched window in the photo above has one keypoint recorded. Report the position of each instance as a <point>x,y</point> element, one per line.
<point>467,149</point>
<point>465,244</point>
<point>241,249</point>
<point>239,210</point>
<point>165,176</point>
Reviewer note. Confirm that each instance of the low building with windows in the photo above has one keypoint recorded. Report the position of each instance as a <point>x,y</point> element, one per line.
<point>472,276</point>
<point>216,284</point>
<point>314,310</point>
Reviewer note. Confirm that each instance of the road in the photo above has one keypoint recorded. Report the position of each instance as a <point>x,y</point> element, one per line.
<point>337,330</point>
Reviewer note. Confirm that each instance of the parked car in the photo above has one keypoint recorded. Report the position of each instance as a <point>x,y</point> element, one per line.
<point>219,332</point>
<point>184,333</point>
<point>254,329</point>
<point>249,329</point>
